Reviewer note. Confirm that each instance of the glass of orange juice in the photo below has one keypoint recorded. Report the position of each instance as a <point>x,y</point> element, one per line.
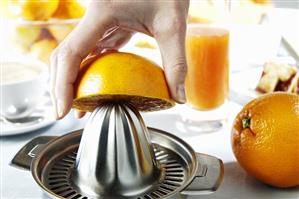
<point>207,81</point>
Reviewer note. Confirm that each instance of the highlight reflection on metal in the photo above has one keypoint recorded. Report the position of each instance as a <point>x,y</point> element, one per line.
<point>115,156</point>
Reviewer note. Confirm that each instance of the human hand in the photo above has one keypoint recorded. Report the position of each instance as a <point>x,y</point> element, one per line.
<point>109,25</point>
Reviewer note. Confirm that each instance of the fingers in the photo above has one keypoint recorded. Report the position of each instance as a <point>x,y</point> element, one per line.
<point>66,59</point>
<point>171,42</point>
<point>112,41</point>
<point>67,66</point>
<point>53,71</point>
<point>116,39</point>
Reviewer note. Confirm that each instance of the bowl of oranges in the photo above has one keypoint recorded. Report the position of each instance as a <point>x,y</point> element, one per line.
<point>36,28</point>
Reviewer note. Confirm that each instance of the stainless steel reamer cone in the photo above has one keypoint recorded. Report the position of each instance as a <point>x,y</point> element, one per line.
<point>115,157</point>
<point>115,160</point>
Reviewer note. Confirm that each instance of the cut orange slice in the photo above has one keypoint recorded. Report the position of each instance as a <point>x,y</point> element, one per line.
<point>122,78</point>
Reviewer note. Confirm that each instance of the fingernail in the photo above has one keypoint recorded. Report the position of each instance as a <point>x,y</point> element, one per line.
<point>181,93</point>
<point>60,108</point>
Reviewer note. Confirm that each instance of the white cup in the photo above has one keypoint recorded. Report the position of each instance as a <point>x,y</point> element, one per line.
<point>23,83</point>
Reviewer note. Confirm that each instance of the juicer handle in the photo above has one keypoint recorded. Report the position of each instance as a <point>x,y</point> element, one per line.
<point>208,176</point>
<point>26,154</point>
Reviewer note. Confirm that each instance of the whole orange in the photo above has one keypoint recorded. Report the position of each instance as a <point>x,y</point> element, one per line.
<point>123,78</point>
<point>265,139</point>
<point>69,9</point>
<point>33,9</point>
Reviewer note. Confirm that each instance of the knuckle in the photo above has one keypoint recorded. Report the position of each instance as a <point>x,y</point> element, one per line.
<point>66,53</point>
<point>177,24</point>
<point>179,67</point>
<point>63,52</point>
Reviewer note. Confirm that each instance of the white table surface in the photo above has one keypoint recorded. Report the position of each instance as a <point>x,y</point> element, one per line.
<point>19,184</point>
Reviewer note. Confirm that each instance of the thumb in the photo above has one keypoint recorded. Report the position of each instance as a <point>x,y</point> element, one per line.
<point>66,59</point>
<point>172,47</point>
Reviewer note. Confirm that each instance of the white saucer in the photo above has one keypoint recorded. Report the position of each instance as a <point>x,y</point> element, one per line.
<point>46,112</point>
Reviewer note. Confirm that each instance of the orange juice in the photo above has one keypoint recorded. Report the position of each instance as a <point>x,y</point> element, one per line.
<point>208,68</point>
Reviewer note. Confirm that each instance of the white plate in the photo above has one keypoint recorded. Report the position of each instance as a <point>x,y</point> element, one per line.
<point>243,84</point>
<point>46,112</point>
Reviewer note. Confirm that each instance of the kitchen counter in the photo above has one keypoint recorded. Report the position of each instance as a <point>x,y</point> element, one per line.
<point>19,184</point>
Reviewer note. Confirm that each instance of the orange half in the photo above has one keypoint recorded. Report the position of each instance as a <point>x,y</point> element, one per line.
<point>123,78</point>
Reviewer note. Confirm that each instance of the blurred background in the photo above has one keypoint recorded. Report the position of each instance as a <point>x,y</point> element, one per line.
<point>27,32</point>
<point>286,4</point>
<point>260,31</point>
